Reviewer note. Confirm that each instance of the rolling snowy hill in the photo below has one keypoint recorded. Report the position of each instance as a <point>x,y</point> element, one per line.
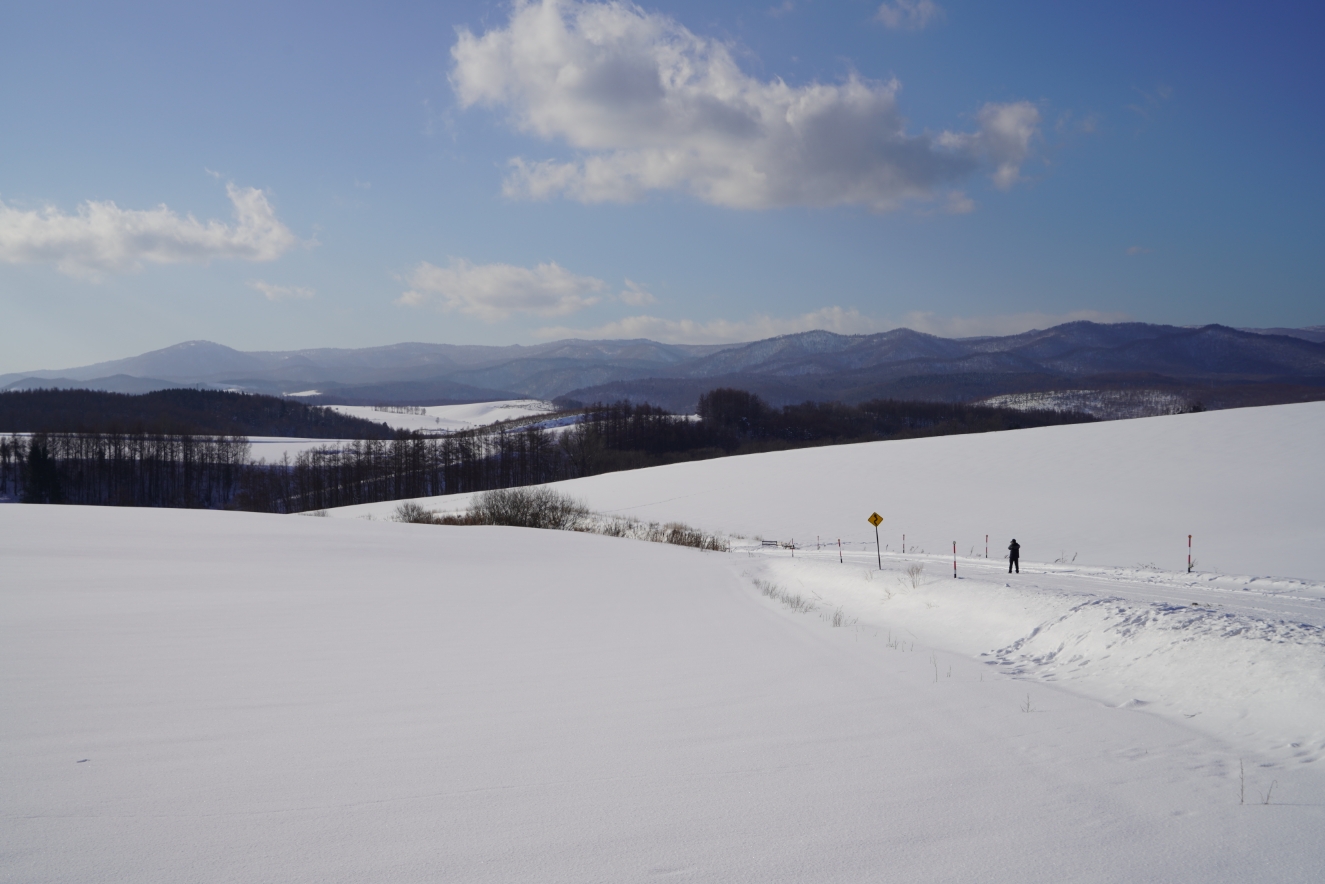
<point>227,696</point>
<point>195,695</point>
<point>1247,483</point>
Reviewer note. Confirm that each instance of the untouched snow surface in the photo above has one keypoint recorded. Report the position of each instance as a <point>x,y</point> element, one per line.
<point>448,418</point>
<point>206,696</point>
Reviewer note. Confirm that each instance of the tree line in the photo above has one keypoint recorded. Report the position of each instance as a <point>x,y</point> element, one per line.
<point>124,469</point>
<point>141,469</point>
<point>177,412</point>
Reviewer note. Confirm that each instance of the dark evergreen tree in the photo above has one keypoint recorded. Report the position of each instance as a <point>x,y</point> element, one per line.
<point>42,482</point>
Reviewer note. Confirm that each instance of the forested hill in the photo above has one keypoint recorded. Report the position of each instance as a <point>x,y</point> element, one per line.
<point>202,412</point>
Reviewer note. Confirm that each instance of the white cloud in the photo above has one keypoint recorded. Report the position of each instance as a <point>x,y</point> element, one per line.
<point>1003,140</point>
<point>636,295</point>
<point>909,15</point>
<point>649,105</point>
<point>493,292</point>
<point>102,237</point>
<point>846,321</point>
<point>281,292</point>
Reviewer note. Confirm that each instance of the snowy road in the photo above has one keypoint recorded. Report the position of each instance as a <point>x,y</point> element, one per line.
<point>1297,601</point>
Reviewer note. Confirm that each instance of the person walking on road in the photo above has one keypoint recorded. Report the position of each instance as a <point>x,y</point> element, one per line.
<point>1014,556</point>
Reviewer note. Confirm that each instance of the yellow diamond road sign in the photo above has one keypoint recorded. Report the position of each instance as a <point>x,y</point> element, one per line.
<point>875,519</point>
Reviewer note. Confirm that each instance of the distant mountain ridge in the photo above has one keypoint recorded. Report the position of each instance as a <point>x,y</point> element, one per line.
<point>821,365</point>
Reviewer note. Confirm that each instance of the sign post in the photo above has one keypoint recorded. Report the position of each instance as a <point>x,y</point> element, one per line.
<point>875,519</point>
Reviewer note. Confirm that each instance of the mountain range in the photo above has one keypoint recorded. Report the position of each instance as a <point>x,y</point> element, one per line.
<point>1284,364</point>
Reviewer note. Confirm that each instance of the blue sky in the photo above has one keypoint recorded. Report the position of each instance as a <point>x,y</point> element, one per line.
<point>279,176</point>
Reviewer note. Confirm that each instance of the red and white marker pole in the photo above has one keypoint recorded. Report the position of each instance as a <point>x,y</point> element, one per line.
<point>986,546</point>
<point>839,550</point>
<point>954,560</point>
<point>1189,554</point>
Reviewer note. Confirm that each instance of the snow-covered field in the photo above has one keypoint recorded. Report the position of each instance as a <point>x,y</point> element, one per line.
<point>211,696</point>
<point>448,418</point>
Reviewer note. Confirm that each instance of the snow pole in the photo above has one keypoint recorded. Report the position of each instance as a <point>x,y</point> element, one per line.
<point>839,550</point>
<point>986,546</point>
<point>954,560</point>
<point>1189,554</point>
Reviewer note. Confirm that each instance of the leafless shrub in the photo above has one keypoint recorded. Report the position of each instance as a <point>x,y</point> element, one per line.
<point>914,572</point>
<point>528,508</point>
<point>546,508</point>
<point>673,532</point>
<point>456,519</point>
<point>413,513</point>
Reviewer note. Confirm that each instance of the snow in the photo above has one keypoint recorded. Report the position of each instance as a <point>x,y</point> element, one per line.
<point>447,418</point>
<point>192,695</point>
<point>273,448</point>
<point>1114,617</point>
<point>1247,483</point>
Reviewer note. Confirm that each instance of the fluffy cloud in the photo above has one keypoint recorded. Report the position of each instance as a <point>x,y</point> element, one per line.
<point>493,292</point>
<point>651,106</point>
<point>835,319</point>
<point>909,15</point>
<point>101,237</point>
<point>280,292</point>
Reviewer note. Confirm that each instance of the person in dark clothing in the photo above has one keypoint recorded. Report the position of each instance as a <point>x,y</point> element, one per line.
<point>1014,556</point>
